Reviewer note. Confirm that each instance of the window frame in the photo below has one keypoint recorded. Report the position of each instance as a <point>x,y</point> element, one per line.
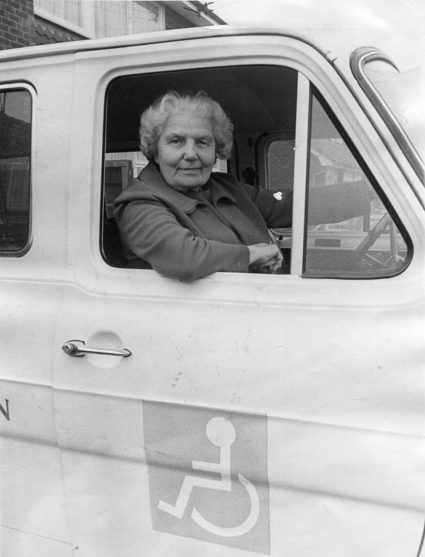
<point>86,29</point>
<point>262,150</point>
<point>88,14</point>
<point>356,121</point>
<point>23,86</point>
<point>299,208</point>
<point>234,162</point>
<point>314,92</point>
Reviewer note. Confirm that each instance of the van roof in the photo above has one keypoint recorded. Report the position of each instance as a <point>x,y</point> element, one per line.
<point>72,47</point>
<point>333,43</point>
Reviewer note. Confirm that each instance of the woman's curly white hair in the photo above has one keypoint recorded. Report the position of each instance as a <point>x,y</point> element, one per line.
<point>153,120</point>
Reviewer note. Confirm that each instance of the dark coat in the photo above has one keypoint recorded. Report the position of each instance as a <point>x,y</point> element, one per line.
<point>187,236</point>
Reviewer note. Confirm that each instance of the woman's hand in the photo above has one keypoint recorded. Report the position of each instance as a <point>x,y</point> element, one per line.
<point>265,258</point>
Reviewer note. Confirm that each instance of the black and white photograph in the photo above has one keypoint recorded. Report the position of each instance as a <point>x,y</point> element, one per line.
<point>212,278</point>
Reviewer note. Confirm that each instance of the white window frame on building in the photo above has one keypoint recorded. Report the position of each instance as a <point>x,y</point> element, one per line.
<point>89,25</point>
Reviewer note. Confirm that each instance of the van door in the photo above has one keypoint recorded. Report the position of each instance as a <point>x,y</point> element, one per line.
<point>275,414</point>
<point>31,483</point>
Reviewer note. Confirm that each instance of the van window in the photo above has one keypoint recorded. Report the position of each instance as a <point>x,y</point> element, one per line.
<point>276,151</point>
<point>259,99</point>
<point>15,161</point>
<point>370,245</point>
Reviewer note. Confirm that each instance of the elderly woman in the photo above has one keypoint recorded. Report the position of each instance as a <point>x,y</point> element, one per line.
<point>181,218</point>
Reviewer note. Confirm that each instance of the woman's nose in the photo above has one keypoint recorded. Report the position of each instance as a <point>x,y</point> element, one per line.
<point>190,150</point>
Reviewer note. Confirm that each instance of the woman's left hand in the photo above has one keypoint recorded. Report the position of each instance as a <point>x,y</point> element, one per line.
<point>269,268</point>
<point>271,265</point>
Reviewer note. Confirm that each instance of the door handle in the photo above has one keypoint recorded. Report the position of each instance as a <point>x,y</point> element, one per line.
<point>78,349</point>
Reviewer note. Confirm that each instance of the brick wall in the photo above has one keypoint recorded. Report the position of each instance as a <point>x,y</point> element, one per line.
<point>19,26</point>
<point>16,23</point>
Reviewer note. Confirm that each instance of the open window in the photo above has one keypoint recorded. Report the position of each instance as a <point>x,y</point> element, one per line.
<point>260,101</point>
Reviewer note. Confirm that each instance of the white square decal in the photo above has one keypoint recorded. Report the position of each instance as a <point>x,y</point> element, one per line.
<point>208,474</point>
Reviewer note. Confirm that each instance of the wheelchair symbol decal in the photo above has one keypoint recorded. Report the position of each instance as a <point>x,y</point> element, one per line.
<point>207,473</point>
<point>220,432</point>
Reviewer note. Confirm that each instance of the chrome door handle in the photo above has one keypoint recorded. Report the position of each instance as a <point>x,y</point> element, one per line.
<point>78,349</point>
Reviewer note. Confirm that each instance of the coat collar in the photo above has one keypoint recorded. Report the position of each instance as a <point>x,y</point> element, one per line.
<point>151,176</point>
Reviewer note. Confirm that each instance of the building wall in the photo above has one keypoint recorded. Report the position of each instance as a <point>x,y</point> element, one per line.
<point>16,23</point>
<point>21,26</point>
<point>174,20</point>
<point>46,32</point>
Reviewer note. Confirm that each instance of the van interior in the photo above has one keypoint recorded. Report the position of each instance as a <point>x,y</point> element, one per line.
<point>261,101</point>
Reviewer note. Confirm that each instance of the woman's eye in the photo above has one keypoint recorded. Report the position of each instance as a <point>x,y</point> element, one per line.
<point>172,139</point>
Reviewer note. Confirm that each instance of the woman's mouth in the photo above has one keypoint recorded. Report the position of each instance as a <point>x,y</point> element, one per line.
<point>189,170</point>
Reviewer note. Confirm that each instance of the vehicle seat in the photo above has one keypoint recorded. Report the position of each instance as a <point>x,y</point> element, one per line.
<point>112,249</point>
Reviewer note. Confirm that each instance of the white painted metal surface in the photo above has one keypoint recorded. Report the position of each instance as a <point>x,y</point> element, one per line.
<point>322,380</point>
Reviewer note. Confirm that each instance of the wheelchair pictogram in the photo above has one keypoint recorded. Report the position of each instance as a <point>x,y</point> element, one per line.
<point>220,432</point>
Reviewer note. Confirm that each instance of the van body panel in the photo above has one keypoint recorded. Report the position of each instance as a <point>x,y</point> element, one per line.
<point>317,384</point>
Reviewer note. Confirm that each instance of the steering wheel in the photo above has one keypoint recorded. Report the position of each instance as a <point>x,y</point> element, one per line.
<point>360,252</point>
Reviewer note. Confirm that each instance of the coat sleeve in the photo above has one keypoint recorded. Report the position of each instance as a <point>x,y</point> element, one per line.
<point>152,232</point>
<point>326,204</point>
<point>338,202</point>
<point>276,211</point>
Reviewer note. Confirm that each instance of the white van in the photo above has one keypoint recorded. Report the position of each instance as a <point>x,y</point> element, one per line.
<point>239,414</point>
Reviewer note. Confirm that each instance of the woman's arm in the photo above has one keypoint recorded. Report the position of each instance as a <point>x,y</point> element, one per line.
<point>326,204</point>
<point>153,233</point>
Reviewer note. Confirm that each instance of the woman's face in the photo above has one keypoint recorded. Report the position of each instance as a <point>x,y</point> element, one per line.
<point>186,151</point>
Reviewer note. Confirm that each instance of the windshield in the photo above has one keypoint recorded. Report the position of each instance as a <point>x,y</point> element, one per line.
<point>401,93</point>
<point>398,97</point>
